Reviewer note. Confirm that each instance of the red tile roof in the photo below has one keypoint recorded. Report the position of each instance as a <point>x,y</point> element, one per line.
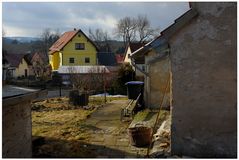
<point>119,58</point>
<point>62,41</point>
<point>15,59</point>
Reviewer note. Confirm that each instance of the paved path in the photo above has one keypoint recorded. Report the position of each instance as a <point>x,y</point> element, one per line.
<point>109,135</point>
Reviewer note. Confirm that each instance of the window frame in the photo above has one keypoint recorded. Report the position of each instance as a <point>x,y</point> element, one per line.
<point>79,46</point>
<point>143,68</point>
<point>71,58</point>
<point>128,56</point>
<point>87,58</point>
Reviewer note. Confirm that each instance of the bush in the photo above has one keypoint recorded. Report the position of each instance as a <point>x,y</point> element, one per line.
<point>125,74</point>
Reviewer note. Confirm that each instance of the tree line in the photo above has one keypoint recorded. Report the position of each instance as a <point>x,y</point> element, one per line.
<point>127,29</point>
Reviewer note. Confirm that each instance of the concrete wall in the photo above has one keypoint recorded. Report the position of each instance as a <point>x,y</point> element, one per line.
<point>16,127</point>
<point>159,74</point>
<point>139,75</point>
<point>204,84</point>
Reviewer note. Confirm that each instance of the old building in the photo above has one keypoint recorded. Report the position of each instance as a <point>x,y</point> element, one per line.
<point>156,73</point>
<point>40,66</point>
<point>204,92</point>
<point>73,48</point>
<point>19,65</point>
<point>119,58</point>
<point>132,47</point>
<point>106,59</point>
<point>201,50</point>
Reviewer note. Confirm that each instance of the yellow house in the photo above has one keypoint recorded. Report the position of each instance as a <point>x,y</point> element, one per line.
<point>73,48</point>
<point>19,65</point>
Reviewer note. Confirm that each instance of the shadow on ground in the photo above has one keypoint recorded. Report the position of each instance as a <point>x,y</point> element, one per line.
<point>57,148</point>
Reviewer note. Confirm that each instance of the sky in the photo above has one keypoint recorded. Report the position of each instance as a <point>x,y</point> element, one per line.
<point>31,18</point>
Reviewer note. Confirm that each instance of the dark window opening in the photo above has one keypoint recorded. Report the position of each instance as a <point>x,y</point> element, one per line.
<point>143,68</point>
<point>71,60</point>
<point>87,60</point>
<point>25,72</point>
<point>80,46</point>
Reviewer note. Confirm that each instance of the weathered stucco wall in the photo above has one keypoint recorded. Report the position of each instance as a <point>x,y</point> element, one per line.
<point>204,84</point>
<point>159,74</point>
<point>17,130</point>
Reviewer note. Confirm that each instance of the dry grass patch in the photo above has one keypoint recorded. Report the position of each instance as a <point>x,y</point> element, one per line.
<point>62,126</point>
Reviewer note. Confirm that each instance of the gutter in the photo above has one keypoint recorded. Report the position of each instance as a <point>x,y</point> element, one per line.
<point>160,57</point>
<point>155,59</point>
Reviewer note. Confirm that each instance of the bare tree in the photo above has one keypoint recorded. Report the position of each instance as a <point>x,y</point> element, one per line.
<point>135,29</point>
<point>99,79</point>
<point>45,37</point>
<point>78,81</point>
<point>126,28</point>
<point>96,79</point>
<point>41,70</point>
<point>101,39</point>
<point>48,37</point>
<point>144,30</point>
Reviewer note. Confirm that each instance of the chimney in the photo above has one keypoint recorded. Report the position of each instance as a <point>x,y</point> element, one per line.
<point>74,29</point>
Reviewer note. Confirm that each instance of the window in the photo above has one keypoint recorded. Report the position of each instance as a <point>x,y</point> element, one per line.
<point>80,46</point>
<point>25,72</point>
<point>143,68</point>
<point>87,60</point>
<point>128,55</point>
<point>71,60</point>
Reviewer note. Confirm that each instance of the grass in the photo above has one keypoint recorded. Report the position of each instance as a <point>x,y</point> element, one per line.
<point>100,100</point>
<point>149,117</point>
<point>62,126</point>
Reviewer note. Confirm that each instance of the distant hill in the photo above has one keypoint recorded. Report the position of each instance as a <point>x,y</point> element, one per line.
<point>32,44</point>
<point>21,39</point>
<point>17,48</point>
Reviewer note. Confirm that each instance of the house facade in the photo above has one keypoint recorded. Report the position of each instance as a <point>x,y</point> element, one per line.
<point>201,50</point>
<point>73,48</point>
<point>19,65</point>
<point>132,47</point>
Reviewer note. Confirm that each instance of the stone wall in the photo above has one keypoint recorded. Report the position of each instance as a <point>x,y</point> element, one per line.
<point>16,127</point>
<point>204,84</point>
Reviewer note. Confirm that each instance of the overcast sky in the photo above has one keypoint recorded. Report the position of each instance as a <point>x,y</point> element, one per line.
<point>29,19</point>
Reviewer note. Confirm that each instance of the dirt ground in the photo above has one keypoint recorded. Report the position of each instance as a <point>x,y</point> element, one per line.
<point>62,130</point>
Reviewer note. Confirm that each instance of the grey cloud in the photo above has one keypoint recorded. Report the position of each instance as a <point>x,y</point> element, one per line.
<point>36,16</point>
